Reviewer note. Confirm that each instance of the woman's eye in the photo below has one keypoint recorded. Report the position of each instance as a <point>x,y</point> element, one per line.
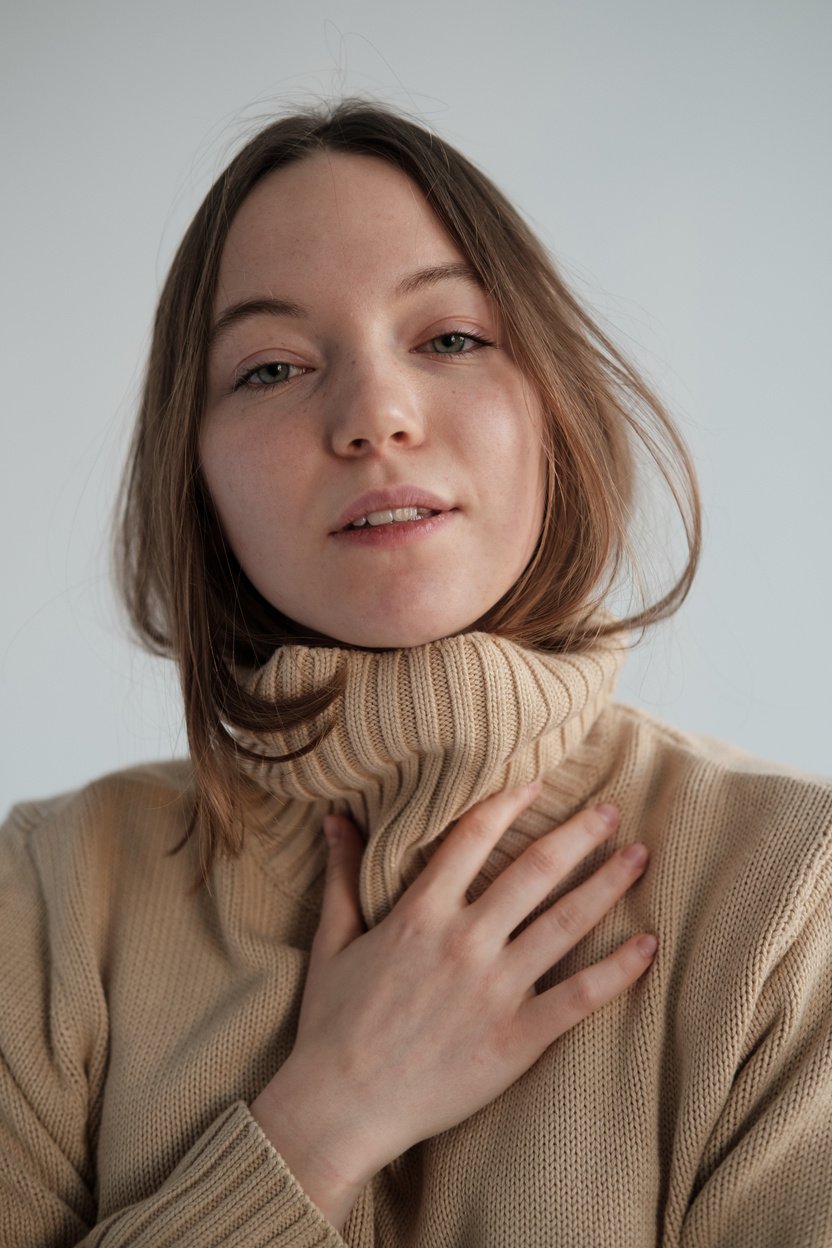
<point>272,374</point>
<point>455,343</point>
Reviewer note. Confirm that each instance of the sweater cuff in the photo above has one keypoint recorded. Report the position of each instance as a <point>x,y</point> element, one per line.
<point>231,1187</point>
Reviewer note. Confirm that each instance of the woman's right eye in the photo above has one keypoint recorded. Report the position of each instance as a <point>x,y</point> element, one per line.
<point>275,373</point>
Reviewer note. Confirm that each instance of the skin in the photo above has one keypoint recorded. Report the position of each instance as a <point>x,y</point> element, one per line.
<point>373,398</point>
<point>371,402</point>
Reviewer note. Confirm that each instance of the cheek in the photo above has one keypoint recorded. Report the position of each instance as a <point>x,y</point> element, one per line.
<point>533,502</point>
<point>525,489</point>
<point>240,480</point>
<point>513,464</point>
<point>245,460</point>
<point>223,476</point>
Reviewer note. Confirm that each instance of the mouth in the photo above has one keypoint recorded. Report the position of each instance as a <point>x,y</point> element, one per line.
<point>391,528</point>
<point>399,515</point>
<point>395,505</point>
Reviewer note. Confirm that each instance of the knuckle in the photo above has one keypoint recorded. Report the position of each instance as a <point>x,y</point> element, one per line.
<point>473,826</point>
<point>567,918</point>
<point>541,858</point>
<point>585,991</point>
<point>414,918</point>
<point>594,825</point>
<point>497,809</point>
<point>463,944</point>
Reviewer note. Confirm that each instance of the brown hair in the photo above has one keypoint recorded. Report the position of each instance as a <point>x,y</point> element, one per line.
<point>185,592</point>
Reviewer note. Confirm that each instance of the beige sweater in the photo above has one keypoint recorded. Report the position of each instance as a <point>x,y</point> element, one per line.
<point>139,1017</point>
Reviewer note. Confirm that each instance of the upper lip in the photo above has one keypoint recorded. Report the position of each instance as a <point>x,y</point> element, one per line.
<point>390,499</point>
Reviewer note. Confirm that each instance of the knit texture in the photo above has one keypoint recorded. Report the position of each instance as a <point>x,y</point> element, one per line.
<point>139,1017</point>
<point>420,735</point>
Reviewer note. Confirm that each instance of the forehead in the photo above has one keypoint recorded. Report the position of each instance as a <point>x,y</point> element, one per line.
<point>328,215</point>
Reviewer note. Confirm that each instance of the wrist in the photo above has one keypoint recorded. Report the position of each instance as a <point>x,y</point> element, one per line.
<point>320,1150</point>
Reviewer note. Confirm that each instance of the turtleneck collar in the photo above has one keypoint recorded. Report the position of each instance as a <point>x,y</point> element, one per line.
<point>418,736</point>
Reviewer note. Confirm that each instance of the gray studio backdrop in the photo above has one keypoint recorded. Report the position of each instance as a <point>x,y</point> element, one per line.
<point>674,157</point>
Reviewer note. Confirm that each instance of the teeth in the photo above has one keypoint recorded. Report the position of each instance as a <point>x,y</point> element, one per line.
<point>376,518</point>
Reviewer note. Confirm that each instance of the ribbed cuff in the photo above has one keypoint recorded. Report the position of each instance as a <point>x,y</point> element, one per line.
<point>232,1187</point>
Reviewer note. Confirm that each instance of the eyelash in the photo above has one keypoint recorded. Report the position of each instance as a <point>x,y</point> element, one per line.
<point>244,381</point>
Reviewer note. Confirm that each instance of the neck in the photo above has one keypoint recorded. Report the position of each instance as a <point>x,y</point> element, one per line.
<point>420,735</point>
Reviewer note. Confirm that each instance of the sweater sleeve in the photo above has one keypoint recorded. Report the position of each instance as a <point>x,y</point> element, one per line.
<point>766,1176</point>
<point>230,1186</point>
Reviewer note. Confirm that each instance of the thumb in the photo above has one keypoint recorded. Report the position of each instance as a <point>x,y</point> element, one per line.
<point>341,920</point>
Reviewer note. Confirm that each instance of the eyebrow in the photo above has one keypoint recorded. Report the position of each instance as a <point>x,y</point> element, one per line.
<point>247,308</point>
<point>412,282</point>
<point>407,285</point>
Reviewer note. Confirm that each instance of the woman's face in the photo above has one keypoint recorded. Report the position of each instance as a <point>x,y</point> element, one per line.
<point>377,470</point>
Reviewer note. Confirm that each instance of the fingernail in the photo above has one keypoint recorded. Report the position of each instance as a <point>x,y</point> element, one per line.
<point>634,854</point>
<point>647,946</point>
<point>332,829</point>
<point>608,813</point>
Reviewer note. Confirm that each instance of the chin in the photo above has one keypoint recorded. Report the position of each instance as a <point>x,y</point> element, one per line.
<point>386,639</point>
<point>390,635</point>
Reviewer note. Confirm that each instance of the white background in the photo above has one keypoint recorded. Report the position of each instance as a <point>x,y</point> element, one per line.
<point>675,157</point>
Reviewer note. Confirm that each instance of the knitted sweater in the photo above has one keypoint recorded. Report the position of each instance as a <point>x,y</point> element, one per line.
<point>139,1015</point>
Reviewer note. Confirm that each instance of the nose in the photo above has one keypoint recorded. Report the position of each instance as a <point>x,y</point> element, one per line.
<point>373,409</point>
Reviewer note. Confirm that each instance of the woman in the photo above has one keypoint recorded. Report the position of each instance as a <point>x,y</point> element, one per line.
<point>380,489</point>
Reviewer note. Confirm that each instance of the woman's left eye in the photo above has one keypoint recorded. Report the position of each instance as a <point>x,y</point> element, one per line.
<point>455,343</point>
<point>263,376</point>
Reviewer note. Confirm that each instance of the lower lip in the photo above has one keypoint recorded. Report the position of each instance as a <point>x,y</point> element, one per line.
<point>399,533</point>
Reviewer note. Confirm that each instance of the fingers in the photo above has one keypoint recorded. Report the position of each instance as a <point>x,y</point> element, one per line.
<point>544,1018</point>
<point>558,929</point>
<point>548,860</point>
<point>461,856</point>
<point>341,920</point>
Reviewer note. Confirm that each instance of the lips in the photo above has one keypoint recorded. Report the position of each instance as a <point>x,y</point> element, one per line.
<point>391,499</point>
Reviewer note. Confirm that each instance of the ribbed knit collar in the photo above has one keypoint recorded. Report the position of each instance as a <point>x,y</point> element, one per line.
<point>418,736</point>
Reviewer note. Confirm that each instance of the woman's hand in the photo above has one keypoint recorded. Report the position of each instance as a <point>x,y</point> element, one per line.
<point>411,1027</point>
